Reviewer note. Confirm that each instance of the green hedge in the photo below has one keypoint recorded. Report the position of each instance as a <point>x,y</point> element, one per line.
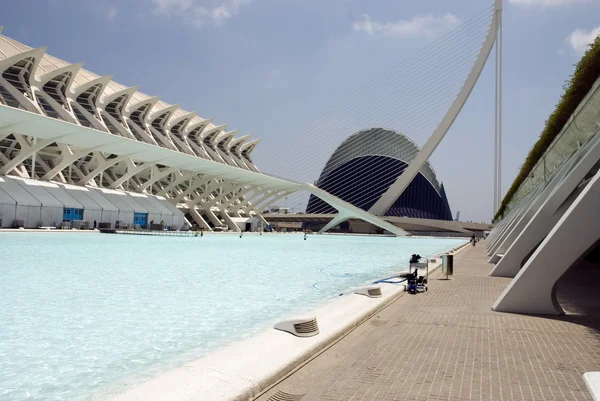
<point>586,73</point>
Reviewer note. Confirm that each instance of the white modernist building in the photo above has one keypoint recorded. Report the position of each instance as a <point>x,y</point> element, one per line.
<point>553,220</point>
<point>106,152</point>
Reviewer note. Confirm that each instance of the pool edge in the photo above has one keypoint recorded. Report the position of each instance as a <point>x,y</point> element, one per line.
<point>245,370</point>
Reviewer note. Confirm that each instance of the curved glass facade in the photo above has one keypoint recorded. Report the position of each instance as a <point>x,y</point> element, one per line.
<point>363,179</point>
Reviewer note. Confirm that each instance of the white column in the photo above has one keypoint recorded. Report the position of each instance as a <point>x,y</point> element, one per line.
<point>533,206</point>
<point>228,220</point>
<point>493,244</point>
<point>510,228</point>
<point>547,215</point>
<point>198,219</point>
<point>212,217</point>
<point>533,288</point>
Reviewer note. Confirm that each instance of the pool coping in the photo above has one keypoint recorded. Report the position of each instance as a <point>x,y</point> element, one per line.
<point>245,370</point>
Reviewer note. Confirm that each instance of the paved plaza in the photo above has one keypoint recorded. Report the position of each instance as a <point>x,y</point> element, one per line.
<point>447,344</point>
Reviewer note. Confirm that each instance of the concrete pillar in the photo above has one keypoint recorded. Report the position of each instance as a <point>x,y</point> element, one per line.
<point>198,219</point>
<point>493,245</point>
<point>548,214</point>
<point>229,221</point>
<point>521,218</point>
<point>533,206</point>
<point>212,217</point>
<point>533,288</point>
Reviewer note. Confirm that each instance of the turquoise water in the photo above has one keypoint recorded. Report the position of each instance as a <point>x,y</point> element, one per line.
<point>83,313</point>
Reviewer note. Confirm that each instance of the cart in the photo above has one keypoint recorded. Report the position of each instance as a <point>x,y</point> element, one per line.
<point>415,282</point>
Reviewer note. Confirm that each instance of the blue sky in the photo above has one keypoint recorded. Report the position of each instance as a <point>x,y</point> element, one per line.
<point>264,66</point>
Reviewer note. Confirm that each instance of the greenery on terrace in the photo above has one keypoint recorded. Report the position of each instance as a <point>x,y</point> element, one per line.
<point>586,73</point>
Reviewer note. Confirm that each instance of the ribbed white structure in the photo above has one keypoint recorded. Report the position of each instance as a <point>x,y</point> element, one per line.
<point>59,122</point>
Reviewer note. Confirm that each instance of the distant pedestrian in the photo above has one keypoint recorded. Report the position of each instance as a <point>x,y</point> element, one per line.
<point>95,224</point>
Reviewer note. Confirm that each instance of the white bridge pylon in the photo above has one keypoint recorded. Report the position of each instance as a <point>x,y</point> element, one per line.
<point>403,181</point>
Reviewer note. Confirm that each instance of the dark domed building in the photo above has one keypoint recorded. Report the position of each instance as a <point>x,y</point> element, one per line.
<point>364,166</point>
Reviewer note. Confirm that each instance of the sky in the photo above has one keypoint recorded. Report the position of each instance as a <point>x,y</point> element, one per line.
<point>266,67</point>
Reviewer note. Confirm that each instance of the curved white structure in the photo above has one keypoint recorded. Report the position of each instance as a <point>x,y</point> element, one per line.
<point>398,187</point>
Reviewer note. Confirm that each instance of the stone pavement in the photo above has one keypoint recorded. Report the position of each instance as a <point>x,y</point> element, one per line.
<point>447,344</point>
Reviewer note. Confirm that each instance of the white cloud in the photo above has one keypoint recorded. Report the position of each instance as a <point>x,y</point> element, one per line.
<point>111,13</point>
<point>198,13</point>
<point>172,7</point>
<point>546,3</point>
<point>580,39</point>
<point>424,25</point>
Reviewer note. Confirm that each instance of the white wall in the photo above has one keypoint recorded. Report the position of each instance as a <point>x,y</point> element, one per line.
<point>39,202</point>
<point>7,209</point>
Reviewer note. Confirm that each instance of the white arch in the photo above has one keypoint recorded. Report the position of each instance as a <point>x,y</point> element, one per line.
<point>75,91</point>
<point>60,109</point>
<point>246,150</point>
<point>222,146</point>
<point>202,125</point>
<point>193,131</point>
<point>106,100</point>
<point>402,182</point>
<point>177,136</point>
<point>73,94</point>
<point>140,128</point>
<point>173,121</point>
<point>27,103</point>
<point>154,113</point>
<point>207,138</point>
<point>234,151</point>
<point>163,134</point>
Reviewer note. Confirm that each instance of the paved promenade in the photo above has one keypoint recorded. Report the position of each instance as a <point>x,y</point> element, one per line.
<point>447,344</point>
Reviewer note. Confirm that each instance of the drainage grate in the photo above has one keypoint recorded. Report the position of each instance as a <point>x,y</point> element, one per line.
<point>283,396</point>
<point>371,291</point>
<point>310,326</point>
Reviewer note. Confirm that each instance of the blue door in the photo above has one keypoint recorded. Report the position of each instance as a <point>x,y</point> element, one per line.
<point>141,219</point>
<point>70,214</point>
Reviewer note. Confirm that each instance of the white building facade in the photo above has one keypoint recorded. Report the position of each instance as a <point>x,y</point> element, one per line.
<point>552,221</point>
<point>63,125</point>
